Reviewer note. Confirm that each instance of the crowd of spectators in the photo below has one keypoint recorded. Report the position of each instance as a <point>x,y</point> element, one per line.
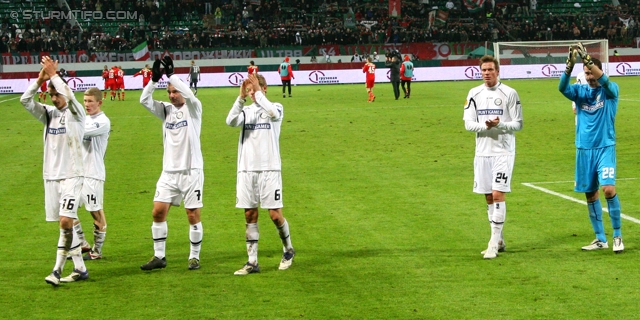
<point>174,24</point>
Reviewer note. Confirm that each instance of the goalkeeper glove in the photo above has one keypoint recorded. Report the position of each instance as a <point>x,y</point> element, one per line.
<point>586,58</point>
<point>156,72</point>
<point>571,60</point>
<point>168,65</point>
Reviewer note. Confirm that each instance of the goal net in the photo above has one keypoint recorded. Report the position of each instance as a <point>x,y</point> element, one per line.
<point>552,54</point>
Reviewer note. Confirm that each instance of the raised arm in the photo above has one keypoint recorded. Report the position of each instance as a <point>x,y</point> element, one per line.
<point>235,117</point>
<point>565,88</point>
<point>157,108</point>
<point>274,110</point>
<point>36,109</point>
<point>193,103</point>
<point>610,88</point>
<point>49,67</point>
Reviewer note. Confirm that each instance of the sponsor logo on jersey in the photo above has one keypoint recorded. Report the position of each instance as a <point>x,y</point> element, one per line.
<point>257,126</point>
<point>178,125</point>
<point>62,130</point>
<point>599,104</point>
<point>490,112</point>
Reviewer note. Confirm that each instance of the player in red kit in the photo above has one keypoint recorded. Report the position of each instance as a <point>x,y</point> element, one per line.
<point>42,96</point>
<point>111,82</point>
<point>105,76</point>
<point>120,82</point>
<point>252,68</point>
<point>370,69</point>
<point>146,75</point>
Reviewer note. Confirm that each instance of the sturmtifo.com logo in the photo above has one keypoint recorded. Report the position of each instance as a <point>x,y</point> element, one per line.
<point>77,14</point>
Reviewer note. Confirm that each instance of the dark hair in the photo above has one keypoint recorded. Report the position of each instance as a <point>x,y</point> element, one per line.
<point>597,62</point>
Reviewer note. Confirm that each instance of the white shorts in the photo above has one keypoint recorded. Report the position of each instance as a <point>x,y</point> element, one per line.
<point>62,198</point>
<point>263,187</point>
<point>92,194</point>
<point>492,173</point>
<point>172,187</point>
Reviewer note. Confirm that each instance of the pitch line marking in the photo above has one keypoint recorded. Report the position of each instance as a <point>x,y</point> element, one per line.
<point>552,182</point>
<point>545,190</point>
<point>9,99</point>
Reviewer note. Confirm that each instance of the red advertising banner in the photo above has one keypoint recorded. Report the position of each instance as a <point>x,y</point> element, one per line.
<point>394,8</point>
<point>35,57</point>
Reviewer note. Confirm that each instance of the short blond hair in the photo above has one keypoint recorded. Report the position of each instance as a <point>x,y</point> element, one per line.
<point>95,92</point>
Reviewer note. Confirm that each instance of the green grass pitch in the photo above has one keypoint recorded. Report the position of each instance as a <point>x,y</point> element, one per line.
<point>378,196</point>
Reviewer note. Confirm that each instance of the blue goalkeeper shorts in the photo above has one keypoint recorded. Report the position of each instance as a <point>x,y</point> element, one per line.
<point>595,168</point>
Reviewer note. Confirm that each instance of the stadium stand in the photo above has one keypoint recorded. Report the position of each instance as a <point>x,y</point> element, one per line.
<point>173,24</point>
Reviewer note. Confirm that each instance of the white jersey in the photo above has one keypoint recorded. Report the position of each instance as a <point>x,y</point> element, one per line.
<point>259,146</point>
<point>483,104</point>
<point>96,138</point>
<point>181,127</point>
<point>63,131</point>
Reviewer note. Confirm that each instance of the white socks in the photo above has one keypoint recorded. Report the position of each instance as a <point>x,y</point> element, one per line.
<point>195,236</point>
<point>69,239</point>
<point>283,230</point>
<point>497,221</point>
<point>252,235</point>
<point>77,227</point>
<point>159,231</point>
<point>98,241</point>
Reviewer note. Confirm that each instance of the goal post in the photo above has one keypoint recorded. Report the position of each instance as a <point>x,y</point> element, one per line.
<point>549,52</point>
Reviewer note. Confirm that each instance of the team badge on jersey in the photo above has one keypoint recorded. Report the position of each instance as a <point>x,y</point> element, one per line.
<point>179,114</point>
<point>498,102</point>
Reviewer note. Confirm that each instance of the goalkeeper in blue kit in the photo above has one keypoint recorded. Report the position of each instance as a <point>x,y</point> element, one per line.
<point>596,107</point>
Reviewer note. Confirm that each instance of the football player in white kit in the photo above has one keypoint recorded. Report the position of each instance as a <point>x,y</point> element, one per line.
<point>182,164</point>
<point>494,113</point>
<point>96,138</point>
<point>63,170</point>
<point>259,179</point>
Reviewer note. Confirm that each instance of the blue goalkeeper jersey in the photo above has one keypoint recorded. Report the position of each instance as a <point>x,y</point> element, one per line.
<point>596,110</point>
